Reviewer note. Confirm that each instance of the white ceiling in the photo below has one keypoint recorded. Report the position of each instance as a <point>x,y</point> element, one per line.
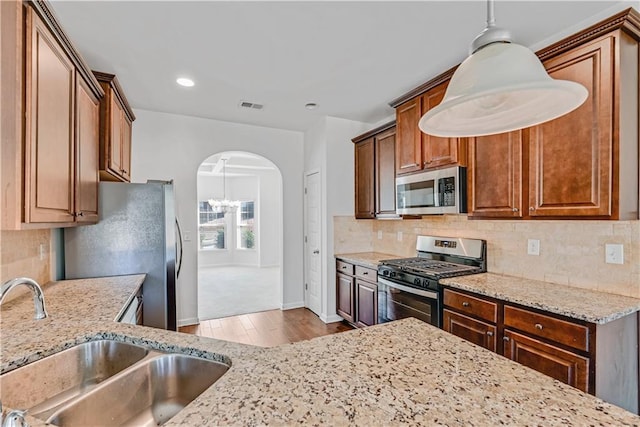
<point>351,58</point>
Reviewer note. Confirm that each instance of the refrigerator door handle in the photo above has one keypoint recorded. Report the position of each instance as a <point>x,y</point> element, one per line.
<point>179,244</point>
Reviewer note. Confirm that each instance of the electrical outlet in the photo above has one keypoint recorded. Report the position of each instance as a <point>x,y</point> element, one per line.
<point>43,251</point>
<point>614,253</point>
<point>379,234</point>
<point>187,236</point>
<point>399,236</point>
<point>533,247</point>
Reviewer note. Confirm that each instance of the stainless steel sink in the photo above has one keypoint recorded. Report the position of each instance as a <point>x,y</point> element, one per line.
<point>149,394</point>
<point>106,383</point>
<point>49,383</point>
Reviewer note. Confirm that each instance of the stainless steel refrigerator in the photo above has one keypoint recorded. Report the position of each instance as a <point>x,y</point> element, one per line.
<point>137,233</point>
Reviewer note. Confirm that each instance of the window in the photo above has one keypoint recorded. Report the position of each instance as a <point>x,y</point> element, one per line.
<point>245,226</point>
<point>212,227</point>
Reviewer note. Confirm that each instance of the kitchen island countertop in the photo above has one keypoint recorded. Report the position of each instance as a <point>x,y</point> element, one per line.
<point>404,372</point>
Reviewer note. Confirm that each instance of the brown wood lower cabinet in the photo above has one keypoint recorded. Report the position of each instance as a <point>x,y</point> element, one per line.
<point>563,365</point>
<point>345,297</point>
<point>367,303</point>
<point>356,294</point>
<point>597,359</point>
<point>475,331</point>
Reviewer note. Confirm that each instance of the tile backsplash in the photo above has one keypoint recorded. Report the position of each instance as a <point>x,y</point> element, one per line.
<point>20,255</point>
<point>571,252</point>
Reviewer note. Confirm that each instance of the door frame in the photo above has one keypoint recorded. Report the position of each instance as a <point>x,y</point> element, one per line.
<point>306,246</point>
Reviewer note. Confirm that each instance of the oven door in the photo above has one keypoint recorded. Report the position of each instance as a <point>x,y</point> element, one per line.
<point>397,301</point>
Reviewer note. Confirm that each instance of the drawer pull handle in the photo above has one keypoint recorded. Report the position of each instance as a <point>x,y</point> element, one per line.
<point>365,273</point>
<point>505,338</point>
<point>538,326</point>
<point>490,334</point>
<point>465,304</point>
<point>344,267</point>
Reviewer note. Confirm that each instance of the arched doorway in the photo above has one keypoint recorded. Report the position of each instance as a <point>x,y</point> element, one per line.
<point>239,235</point>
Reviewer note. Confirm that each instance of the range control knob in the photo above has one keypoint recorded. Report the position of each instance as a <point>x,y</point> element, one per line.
<point>416,281</point>
<point>385,272</point>
<point>392,274</point>
<point>426,283</point>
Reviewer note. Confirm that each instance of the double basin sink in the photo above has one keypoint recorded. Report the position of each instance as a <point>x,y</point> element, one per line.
<point>107,383</point>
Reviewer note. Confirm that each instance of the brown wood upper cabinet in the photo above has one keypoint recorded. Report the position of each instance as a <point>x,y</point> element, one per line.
<point>49,162</point>
<point>577,165</point>
<point>116,118</point>
<point>415,150</point>
<point>375,194</point>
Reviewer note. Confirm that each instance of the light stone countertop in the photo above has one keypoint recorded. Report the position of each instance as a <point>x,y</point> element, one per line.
<point>577,303</point>
<point>401,373</point>
<point>366,259</point>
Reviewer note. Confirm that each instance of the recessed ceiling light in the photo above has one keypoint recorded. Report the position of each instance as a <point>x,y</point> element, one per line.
<point>311,106</point>
<point>183,81</point>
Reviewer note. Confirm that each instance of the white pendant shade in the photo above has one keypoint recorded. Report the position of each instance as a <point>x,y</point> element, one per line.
<point>500,88</point>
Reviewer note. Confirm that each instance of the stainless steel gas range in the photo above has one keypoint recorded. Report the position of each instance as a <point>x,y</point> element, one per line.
<point>410,287</point>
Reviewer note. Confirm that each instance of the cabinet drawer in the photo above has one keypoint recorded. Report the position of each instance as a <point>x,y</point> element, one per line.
<point>344,267</point>
<point>467,304</point>
<point>561,331</point>
<point>367,273</point>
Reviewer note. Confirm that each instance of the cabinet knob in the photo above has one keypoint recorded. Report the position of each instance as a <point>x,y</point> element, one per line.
<point>538,326</point>
<point>80,213</point>
<point>505,338</point>
<point>465,304</point>
<point>515,209</point>
<point>489,333</point>
<point>531,208</point>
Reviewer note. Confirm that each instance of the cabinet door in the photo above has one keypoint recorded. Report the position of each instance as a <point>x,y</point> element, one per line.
<point>495,175</point>
<point>367,303</point>
<point>345,297</point>
<point>115,136</point>
<point>364,177</point>
<point>49,130</point>
<point>437,151</point>
<point>408,139</point>
<point>570,158</point>
<point>386,173</point>
<point>87,144</point>
<point>479,333</point>
<point>565,366</point>
<point>126,148</point>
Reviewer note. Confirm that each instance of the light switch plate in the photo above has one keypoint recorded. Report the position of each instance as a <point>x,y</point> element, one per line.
<point>379,234</point>
<point>533,247</point>
<point>43,251</point>
<point>614,253</point>
<point>399,236</point>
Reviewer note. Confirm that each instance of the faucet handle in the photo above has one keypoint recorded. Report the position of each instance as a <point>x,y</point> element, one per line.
<point>15,418</point>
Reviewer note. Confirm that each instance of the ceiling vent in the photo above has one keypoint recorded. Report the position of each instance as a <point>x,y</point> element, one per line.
<point>251,105</point>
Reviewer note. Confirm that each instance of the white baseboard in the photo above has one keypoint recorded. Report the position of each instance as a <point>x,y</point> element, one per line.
<point>292,305</point>
<point>188,322</point>
<point>331,318</point>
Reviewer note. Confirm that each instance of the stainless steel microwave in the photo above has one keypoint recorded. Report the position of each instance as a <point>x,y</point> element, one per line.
<point>438,191</point>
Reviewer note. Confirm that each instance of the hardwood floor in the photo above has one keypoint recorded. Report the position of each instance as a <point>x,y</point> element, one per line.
<point>267,328</point>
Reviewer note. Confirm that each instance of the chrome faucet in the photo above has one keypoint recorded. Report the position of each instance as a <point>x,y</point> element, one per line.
<point>38,296</point>
<point>13,418</point>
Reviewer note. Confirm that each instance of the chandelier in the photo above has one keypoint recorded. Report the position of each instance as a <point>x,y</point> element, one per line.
<point>224,205</point>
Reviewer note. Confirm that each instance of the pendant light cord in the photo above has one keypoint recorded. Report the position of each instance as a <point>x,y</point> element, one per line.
<point>491,21</point>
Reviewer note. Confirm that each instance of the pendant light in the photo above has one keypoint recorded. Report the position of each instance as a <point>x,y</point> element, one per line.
<point>224,205</point>
<point>500,87</point>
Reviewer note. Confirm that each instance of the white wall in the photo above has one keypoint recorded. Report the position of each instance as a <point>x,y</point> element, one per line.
<point>269,220</point>
<point>328,148</point>
<point>169,146</point>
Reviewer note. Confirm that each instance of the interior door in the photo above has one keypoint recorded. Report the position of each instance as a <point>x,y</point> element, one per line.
<point>313,231</point>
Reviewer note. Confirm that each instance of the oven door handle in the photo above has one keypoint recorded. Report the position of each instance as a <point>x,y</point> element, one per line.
<point>428,294</point>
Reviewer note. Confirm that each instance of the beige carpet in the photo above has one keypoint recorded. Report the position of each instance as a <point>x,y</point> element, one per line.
<point>229,291</point>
